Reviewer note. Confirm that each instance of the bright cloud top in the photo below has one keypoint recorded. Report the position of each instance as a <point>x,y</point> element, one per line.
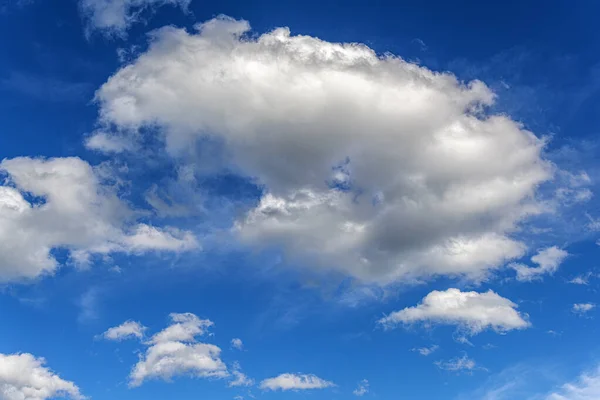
<point>24,377</point>
<point>474,312</point>
<point>127,330</point>
<point>66,203</point>
<point>175,351</point>
<point>548,260</point>
<point>295,382</point>
<point>377,167</point>
<point>114,17</point>
<point>587,387</point>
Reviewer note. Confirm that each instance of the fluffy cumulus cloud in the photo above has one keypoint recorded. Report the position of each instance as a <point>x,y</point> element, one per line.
<point>295,382</point>
<point>373,166</point>
<point>25,377</point>
<point>548,260</point>
<point>127,330</point>
<point>587,387</point>
<point>175,351</point>
<point>65,203</point>
<point>114,17</point>
<point>472,312</point>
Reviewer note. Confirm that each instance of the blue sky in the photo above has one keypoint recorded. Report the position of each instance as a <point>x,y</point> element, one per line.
<point>285,200</point>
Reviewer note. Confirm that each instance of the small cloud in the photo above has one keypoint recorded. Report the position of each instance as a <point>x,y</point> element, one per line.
<point>114,17</point>
<point>583,279</point>
<point>237,343</point>
<point>108,143</point>
<point>116,269</point>
<point>458,364</point>
<point>462,339</point>
<point>553,333</point>
<point>362,389</point>
<point>239,378</point>
<point>548,260</point>
<point>295,382</point>
<point>127,330</point>
<point>471,312</point>
<point>175,351</point>
<point>583,308</point>
<point>425,351</point>
<point>88,305</point>
<point>593,224</point>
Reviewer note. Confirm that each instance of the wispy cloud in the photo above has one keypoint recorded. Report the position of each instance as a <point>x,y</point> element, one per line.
<point>45,88</point>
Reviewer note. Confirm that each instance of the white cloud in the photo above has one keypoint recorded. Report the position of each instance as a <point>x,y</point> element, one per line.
<point>470,311</point>
<point>374,166</point>
<point>88,305</point>
<point>457,364</point>
<point>239,378</point>
<point>107,143</point>
<point>127,330</point>
<point>66,203</point>
<point>362,389</point>
<point>579,280</point>
<point>237,343</point>
<point>582,279</point>
<point>174,351</point>
<point>425,351</point>
<point>184,328</point>
<point>114,17</point>
<point>583,308</point>
<point>575,188</point>
<point>24,377</point>
<point>146,237</point>
<point>587,387</point>
<point>548,261</point>
<point>295,382</point>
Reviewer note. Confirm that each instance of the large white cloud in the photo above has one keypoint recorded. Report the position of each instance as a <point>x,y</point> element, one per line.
<point>114,17</point>
<point>471,311</point>
<point>587,387</point>
<point>295,382</point>
<point>24,377</point>
<point>374,166</point>
<point>174,351</point>
<point>64,203</point>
